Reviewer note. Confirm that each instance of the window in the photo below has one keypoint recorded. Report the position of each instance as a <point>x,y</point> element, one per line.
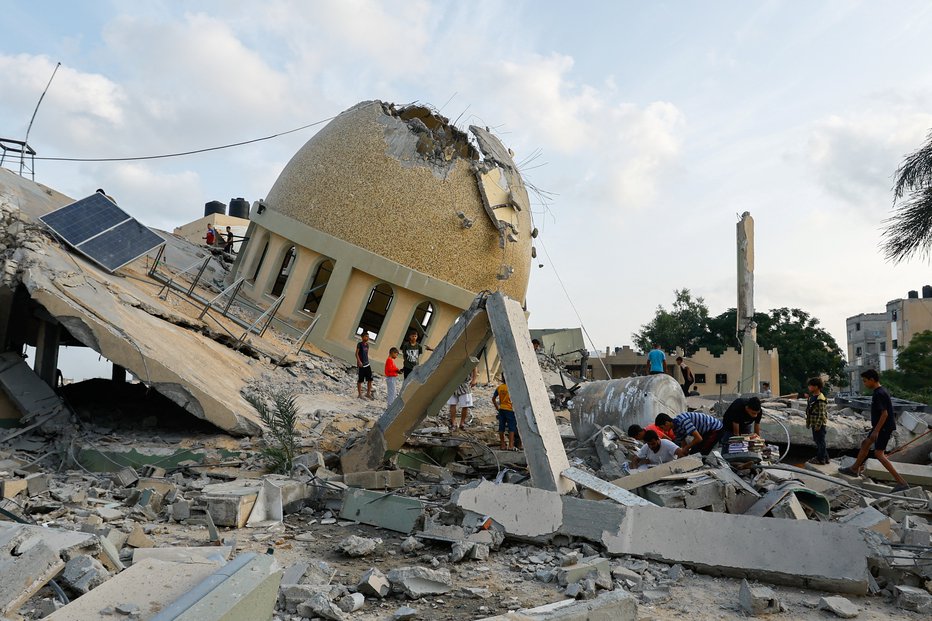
<point>423,315</point>
<point>857,351</point>
<point>894,343</point>
<point>857,327</point>
<point>699,377</point>
<point>380,298</point>
<point>265,248</point>
<point>894,317</point>
<point>318,285</point>
<point>883,346</point>
<point>284,271</point>
<point>721,378</point>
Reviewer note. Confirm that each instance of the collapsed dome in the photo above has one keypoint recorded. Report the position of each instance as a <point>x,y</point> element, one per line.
<point>406,184</point>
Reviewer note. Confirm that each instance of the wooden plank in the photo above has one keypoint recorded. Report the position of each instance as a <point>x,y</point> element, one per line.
<point>604,488</point>
<point>916,474</point>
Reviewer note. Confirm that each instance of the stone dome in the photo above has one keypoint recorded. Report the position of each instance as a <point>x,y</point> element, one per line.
<point>404,183</point>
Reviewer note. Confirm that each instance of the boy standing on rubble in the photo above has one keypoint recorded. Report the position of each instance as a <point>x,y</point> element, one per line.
<point>506,416</point>
<point>882,427</point>
<point>411,351</point>
<point>817,419</point>
<point>363,367</point>
<point>391,374</point>
<point>656,360</point>
<point>462,397</point>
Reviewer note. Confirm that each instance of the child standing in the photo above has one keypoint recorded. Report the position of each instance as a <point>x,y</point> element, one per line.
<point>506,416</point>
<point>391,372</point>
<point>817,419</point>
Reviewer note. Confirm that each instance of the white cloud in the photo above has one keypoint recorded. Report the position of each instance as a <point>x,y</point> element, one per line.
<point>159,199</point>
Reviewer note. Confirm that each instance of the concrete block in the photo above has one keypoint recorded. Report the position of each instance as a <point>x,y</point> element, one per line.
<point>196,554</point>
<point>871,519</point>
<point>578,571</point>
<point>319,606</point>
<point>374,584</point>
<point>125,477</point>
<point>294,573</point>
<point>139,539</point>
<point>375,479</point>
<point>397,513</point>
<point>915,474</point>
<point>833,558</point>
<point>442,474</point>
<point>9,488</point>
<point>355,546</point>
<point>351,602</point>
<point>293,595</point>
<point>603,488</point>
<point>617,605</point>
<point>913,598</point>
<point>83,573</point>
<point>789,508</point>
<point>757,600</point>
<point>110,555</point>
<point>181,510</point>
<point>230,504</point>
<point>839,606</point>
<point>708,493</point>
<point>417,582</point>
<point>37,483</point>
<point>25,574</point>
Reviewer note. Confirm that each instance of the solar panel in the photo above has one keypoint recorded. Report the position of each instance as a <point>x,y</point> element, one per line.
<point>104,233</point>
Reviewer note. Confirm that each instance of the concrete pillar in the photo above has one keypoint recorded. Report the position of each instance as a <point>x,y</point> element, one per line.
<point>749,380</point>
<point>47,351</point>
<point>537,423</point>
<point>118,374</point>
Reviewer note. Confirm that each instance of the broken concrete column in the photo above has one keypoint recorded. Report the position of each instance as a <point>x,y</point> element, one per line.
<point>416,582</point>
<point>537,423</point>
<point>624,402</point>
<point>374,584</point>
<point>758,600</point>
<point>749,381</point>
<point>425,391</point>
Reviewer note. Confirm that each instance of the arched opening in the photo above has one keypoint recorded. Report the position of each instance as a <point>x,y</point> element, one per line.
<point>284,271</point>
<point>380,298</point>
<point>255,272</point>
<point>318,285</point>
<point>422,317</point>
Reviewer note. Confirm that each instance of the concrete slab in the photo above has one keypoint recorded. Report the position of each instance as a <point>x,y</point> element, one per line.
<point>151,584</point>
<point>246,588</point>
<point>385,510</point>
<point>25,574</point>
<point>833,557</point>
<point>32,396</point>
<point>603,488</point>
<point>197,554</point>
<point>617,605</point>
<point>375,479</point>
<point>646,477</point>
<point>230,503</point>
<point>916,474</point>
<point>537,423</point>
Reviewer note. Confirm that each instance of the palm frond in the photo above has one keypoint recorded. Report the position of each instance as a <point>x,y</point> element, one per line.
<point>915,173</point>
<point>908,231</point>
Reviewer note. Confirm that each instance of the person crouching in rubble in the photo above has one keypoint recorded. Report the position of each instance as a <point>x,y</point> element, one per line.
<point>462,397</point>
<point>695,431</point>
<point>739,418</point>
<point>637,432</point>
<point>882,427</point>
<point>506,416</point>
<point>656,451</point>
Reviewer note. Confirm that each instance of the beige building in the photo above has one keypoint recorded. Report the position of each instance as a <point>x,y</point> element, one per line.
<point>388,219</point>
<point>712,373</point>
<point>906,317</point>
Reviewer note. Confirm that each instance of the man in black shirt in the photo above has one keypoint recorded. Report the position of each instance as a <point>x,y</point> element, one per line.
<point>741,415</point>
<point>882,426</point>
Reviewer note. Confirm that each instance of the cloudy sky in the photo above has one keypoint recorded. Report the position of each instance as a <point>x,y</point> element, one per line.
<point>656,124</point>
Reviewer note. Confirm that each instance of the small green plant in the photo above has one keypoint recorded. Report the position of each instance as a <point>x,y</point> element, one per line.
<point>281,434</point>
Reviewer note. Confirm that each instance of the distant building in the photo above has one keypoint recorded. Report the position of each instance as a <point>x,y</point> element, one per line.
<point>195,231</point>
<point>904,318</point>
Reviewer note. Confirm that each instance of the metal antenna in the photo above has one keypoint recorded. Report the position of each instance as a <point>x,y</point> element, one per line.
<point>39,103</point>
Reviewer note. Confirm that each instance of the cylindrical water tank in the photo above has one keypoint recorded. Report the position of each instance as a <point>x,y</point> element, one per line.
<point>624,402</point>
<point>214,207</point>
<point>912,295</point>
<point>927,291</point>
<point>239,208</point>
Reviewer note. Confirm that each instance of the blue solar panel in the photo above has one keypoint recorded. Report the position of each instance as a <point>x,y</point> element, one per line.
<point>118,246</point>
<point>81,220</point>
<point>103,232</point>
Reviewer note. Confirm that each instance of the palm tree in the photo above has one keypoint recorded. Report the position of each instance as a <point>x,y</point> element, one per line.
<point>909,230</point>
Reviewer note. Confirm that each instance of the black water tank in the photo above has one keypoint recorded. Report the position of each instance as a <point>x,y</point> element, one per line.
<point>214,207</point>
<point>927,291</point>
<point>912,295</point>
<point>239,208</point>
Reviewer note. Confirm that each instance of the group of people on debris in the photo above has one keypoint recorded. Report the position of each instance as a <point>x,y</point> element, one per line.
<point>670,437</point>
<point>215,238</point>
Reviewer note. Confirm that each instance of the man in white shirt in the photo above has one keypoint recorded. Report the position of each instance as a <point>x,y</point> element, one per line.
<point>655,451</point>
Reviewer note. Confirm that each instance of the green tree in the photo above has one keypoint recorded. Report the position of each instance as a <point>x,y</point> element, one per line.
<point>806,350</point>
<point>913,377</point>
<point>684,326</point>
<point>909,230</point>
